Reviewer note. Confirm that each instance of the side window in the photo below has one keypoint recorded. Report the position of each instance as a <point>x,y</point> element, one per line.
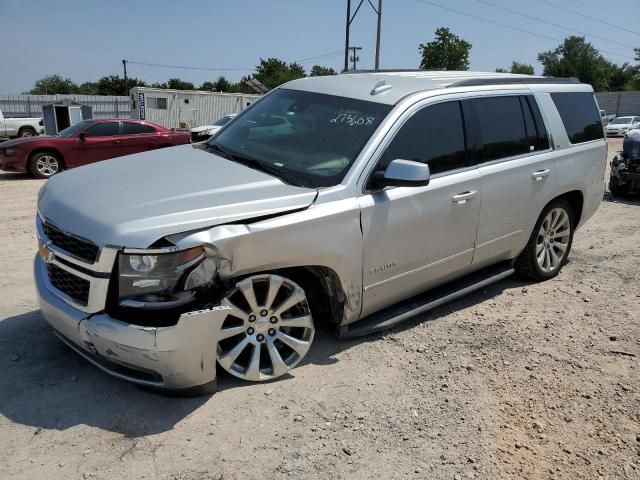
<point>433,135</point>
<point>580,116</point>
<point>499,127</point>
<point>537,136</point>
<point>106,129</point>
<point>130,128</point>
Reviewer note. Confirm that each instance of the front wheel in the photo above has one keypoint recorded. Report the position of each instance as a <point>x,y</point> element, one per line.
<point>550,242</point>
<point>45,164</point>
<point>270,330</point>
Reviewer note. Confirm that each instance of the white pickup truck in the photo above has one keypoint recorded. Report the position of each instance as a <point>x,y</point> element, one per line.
<point>606,119</point>
<point>20,127</point>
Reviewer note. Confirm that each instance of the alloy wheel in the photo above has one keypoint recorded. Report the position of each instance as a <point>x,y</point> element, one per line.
<point>47,165</point>
<point>270,331</point>
<point>553,240</point>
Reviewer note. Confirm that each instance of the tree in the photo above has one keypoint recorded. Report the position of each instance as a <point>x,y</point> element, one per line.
<point>446,52</point>
<point>576,57</point>
<point>319,71</point>
<point>517,67</point>
<point>177,84</point>
<point>273,72</point>
<point>624,77</point>
<point>220,85</point>
<point>88,88</point>
<point>54,84</point>
<point>114,85</point>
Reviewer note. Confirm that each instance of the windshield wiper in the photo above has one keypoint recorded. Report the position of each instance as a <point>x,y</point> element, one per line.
<point>217,148</point>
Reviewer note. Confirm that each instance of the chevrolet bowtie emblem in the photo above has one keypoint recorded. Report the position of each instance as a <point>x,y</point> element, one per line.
<point>44,252</point>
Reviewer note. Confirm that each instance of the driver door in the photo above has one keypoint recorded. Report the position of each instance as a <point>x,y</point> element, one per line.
<point>101,141</point>
<point>418,237</point>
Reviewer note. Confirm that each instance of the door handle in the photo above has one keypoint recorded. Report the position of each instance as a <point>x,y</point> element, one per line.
<point>540,174</point>
<point>116,142</point>
<point>463,197</point>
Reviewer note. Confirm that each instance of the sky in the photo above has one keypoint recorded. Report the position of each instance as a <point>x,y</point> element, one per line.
<point>84,40</point>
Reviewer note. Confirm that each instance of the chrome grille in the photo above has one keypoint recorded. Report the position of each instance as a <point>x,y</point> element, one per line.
<point>79,248</point>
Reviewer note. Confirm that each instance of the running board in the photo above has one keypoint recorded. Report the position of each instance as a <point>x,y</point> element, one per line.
<point>424,302</point>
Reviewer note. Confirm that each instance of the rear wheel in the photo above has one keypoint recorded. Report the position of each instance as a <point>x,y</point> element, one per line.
<point>26,132</point>
<point>550,242</point>
<point>270,331</point>
<point>45,164</point>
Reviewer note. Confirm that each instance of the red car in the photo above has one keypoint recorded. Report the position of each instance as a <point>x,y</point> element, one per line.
<point>85,142</point>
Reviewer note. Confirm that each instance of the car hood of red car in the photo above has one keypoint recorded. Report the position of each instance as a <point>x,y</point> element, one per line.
<point>134,201</point>
<point>27,141</point>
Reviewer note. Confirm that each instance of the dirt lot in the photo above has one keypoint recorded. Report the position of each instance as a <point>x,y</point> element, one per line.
<point>517,381</point>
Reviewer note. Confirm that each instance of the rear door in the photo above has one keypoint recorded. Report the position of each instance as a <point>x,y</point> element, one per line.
<point>101,141</point>
<point>138,137</point>
<point>513,154</point>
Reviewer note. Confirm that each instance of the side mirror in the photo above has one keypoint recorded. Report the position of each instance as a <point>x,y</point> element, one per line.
<point>82,136</point>
<point>402,173</point>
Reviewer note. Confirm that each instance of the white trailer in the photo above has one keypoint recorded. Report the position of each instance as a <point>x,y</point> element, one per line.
<point>185,108</point>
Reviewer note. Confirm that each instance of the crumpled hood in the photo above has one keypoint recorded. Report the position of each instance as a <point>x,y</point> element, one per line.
<point>134,201</point>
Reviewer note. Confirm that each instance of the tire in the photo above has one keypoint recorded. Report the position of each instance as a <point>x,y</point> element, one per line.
<point>550,242</point>
<point>616,189</point>
<point>269,331</point>
<point>45,164</point>
<point>26,132</point>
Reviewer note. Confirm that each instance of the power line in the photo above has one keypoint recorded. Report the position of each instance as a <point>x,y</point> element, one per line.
<point>184,67</point>
<point>319,57</point>
<point>214,69</point>
<point>547,2</point>
<point>541,20</point>
<point>511,27</point>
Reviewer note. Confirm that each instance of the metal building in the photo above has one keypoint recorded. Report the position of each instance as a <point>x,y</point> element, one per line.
<point>31,105</point>
<point>63,114</point>
<point>185,108</point>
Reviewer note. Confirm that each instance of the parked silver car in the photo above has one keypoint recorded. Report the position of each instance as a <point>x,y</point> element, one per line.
<point>354,201</point>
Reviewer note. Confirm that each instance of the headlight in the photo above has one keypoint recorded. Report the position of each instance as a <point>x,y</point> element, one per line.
<point>162,280</point>
<point>11,151</point>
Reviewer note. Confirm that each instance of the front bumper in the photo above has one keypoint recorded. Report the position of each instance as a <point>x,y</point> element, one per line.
<point>615,133</point>
<point>13,164</point>
<point>178,357</point>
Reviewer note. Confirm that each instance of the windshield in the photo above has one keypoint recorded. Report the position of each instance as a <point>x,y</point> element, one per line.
<point>221,122</point>
<point>74,129</point>
<point>304,138</point>
<point>622,120</point>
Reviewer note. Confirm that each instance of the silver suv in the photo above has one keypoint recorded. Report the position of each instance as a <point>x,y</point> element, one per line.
<point>353,201</point>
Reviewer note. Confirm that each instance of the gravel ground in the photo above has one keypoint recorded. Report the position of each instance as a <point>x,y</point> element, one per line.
<point>518,381</point>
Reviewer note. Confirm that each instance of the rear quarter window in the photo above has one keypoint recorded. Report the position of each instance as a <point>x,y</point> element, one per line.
<point>580,116</point>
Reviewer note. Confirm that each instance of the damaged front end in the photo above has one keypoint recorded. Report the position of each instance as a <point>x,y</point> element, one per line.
<point>625,167</point>
<point>146,316</point>
<point>177,357</point>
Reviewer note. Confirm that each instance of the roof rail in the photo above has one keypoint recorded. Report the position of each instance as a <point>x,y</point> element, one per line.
<point>388,70</point>
<point>479,82</point>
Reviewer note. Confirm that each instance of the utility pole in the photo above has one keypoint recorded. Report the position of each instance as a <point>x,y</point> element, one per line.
<point>346,37</point>
<point>126,81</point>
<point>348,28</point>
<point>379,12</point>
<point>354,56</point>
